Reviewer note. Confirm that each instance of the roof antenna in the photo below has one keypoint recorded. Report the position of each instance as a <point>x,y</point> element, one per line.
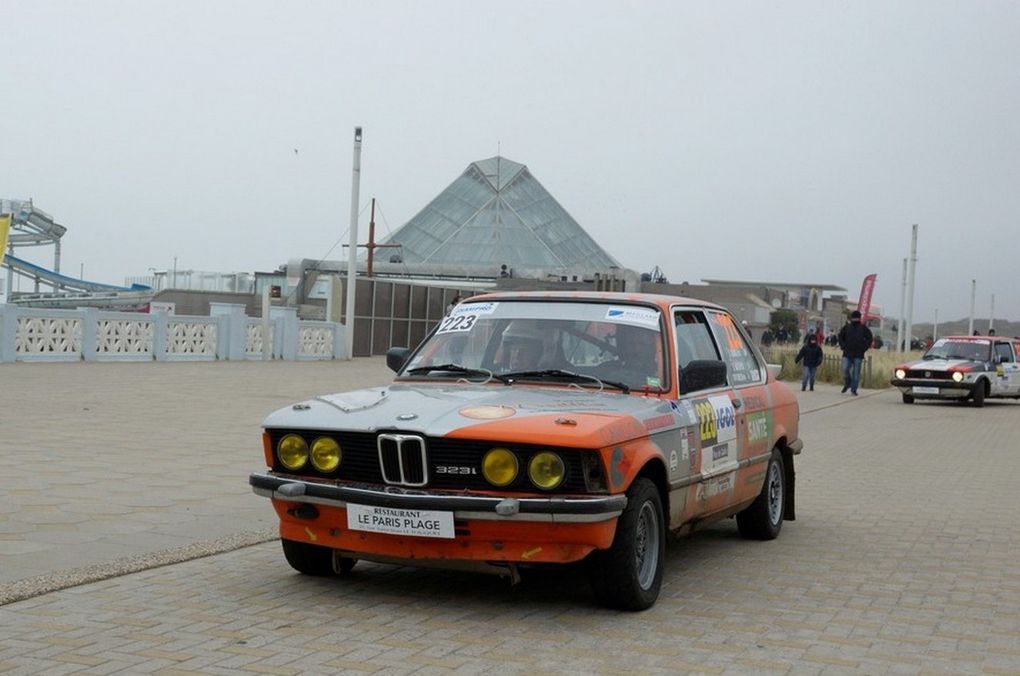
<point>497,167</point>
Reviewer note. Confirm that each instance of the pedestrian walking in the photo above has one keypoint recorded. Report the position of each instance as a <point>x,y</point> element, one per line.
<point>811,355</point>
<point>854,339</point>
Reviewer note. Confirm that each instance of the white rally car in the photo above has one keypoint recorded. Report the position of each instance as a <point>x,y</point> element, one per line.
<point>961,368</point>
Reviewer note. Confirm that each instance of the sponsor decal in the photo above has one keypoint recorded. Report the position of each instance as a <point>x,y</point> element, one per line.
<point>717,420</point>
<point>719,458</point>
<point>474,309</point>
<point>415,522</point>
<point>759,426</point>
<point>674,460</point>
<point>487,412</point>
<point>659,422</point>
<point>633,315</point>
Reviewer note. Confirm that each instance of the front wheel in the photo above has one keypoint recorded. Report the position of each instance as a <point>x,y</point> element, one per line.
<point>628,575</point>
<point>763,519</point>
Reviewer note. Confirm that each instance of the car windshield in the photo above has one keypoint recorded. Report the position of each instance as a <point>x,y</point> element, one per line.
<point>948,348</point>
<point>587,344</point>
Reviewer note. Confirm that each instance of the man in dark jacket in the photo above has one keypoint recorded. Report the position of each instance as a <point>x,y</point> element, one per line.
<point>854,339</point>
<point>811,353</point>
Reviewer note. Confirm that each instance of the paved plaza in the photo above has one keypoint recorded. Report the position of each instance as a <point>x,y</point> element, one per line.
<point>131,543</point>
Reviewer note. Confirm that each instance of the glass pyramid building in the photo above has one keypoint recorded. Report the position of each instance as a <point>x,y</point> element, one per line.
<point>496,213</point>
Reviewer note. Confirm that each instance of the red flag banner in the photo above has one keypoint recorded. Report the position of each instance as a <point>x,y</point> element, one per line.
<point>864,302</point>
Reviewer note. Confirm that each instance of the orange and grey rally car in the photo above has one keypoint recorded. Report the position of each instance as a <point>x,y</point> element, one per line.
<point>541,428</point>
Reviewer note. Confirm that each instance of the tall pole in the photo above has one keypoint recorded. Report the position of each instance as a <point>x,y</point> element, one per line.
<point>910,287</point>
<point>903,305</point>
<point>991,317</point>
<point>973,293</point>
<point>352,252</point>
<point>371,237</point>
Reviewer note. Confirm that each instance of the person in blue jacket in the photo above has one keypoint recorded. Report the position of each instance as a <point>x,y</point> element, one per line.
<point>811,355</point>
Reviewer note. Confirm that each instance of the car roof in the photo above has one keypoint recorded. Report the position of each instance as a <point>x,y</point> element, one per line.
<point>662,301</point>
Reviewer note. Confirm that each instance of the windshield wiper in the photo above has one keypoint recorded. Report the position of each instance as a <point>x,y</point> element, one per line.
<point>456,368</point>
<point>562,373</point>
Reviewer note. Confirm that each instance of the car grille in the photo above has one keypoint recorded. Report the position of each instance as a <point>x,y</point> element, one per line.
<point>409,459</point>
<point>928,374</point>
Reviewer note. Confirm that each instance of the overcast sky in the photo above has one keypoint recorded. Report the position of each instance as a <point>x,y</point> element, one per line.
<point>779,141</point>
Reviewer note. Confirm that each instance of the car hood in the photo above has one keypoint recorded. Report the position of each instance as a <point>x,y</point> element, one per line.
<point>943,365</point>
<point>550,415</point>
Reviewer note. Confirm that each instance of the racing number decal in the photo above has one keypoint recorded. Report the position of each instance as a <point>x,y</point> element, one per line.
<point>717,420</point>
<point>457,323</point>
<point>732,336</point>
<point>706,419</point>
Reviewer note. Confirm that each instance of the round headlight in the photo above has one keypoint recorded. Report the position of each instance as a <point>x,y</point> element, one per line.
<point>958,376</point>
<point>325,454</point>
<point>292,451</point>
<point>546,470</point>
<point>901,374</point>
<point>499,466</point>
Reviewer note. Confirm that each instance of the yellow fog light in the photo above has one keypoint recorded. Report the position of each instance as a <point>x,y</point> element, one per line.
<point>546,470</point>
<point>292,451</point>
<point>499,466</point>
<point>325,454</point>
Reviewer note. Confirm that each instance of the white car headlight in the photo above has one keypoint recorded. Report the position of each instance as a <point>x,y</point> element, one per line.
<point>958,376</point>
<point>901,374</point>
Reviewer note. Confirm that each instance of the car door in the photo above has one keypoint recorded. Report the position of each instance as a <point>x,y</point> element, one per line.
<point>1007,370</point>
<point>713,428</point>
<point>754,423</point>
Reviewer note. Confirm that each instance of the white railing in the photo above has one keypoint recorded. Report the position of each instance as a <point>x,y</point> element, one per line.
<point>88,334</point>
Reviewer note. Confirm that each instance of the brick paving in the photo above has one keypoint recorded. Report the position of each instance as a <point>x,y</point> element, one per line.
<point>904,558</point>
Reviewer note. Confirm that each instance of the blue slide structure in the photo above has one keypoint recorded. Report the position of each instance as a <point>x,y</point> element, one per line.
<point>57,280</point>
<point>31,226</point>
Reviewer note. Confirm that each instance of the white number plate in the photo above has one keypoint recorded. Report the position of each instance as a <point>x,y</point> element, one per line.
<point>421,523</point>
<point>918,389</point>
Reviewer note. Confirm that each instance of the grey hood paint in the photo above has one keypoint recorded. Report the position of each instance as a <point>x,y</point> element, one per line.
<point>433,409</point>
<point>942,364</point>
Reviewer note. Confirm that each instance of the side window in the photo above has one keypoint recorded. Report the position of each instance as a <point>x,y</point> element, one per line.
<point>693,337</point>
<point>743,367</point>
<point>1004,351</point>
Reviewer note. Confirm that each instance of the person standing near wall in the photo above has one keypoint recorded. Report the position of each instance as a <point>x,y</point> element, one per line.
<point>854,339</point>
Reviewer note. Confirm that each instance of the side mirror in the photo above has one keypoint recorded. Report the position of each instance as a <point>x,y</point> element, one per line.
<point>396,357</point>
<point>702,374</point>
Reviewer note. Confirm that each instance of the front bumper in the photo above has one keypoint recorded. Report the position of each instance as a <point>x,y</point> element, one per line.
<point>464,506</point>
<point>947,389</point>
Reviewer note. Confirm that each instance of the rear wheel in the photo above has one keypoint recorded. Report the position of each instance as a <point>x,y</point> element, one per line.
<point>978,396</point>
<point>908,398</point>
<point>315,560</point>
<point>628,575</point>
<point>763,519</point>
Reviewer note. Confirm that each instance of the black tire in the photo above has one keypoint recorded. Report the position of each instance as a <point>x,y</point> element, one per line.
<point>628,575</point>
<point>314,560</point>
<point>763,519</point>
<point>978,395</point>
<point>908,398</point>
